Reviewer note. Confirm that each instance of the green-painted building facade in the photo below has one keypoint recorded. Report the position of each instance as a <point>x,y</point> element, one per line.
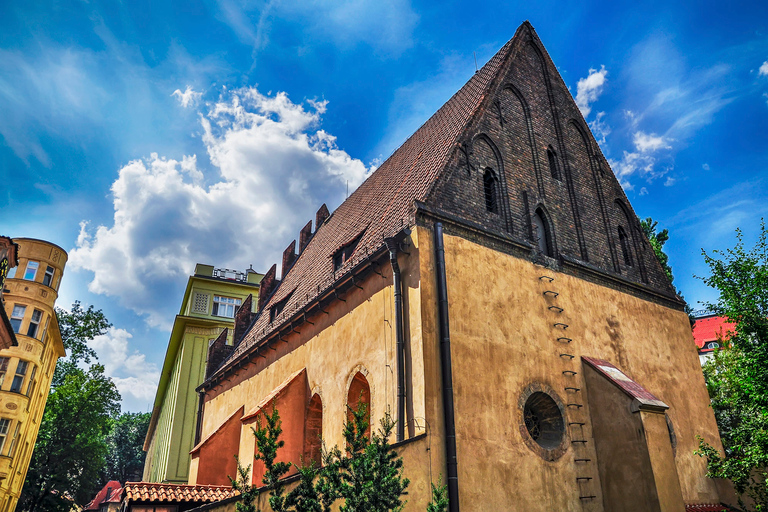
<point>211,298</point>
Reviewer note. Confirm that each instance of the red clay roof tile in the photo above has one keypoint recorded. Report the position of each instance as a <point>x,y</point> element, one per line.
<point>147,491</point>
<point>711,328</point>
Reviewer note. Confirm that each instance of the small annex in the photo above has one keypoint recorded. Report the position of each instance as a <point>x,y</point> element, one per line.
<point>490,286</point>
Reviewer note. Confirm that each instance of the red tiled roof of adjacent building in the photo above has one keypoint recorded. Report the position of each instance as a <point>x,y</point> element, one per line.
<point>711,328</point>
<point>382,205</point>
<point>148,491</point>
<point>705,507</point>
<point>112,492</point>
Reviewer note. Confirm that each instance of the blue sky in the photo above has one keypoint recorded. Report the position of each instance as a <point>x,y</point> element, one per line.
<point>145,136</point>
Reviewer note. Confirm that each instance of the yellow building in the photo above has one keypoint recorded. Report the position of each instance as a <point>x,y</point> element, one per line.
<point>490,285</point>
<point>208,307</point>
<point>26,370</point>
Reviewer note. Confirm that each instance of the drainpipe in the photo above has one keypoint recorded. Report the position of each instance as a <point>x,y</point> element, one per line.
<point>400,347</point>
<point>199,423</point>
<point>445,366</point>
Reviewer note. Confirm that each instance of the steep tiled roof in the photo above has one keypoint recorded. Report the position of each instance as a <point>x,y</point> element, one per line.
<point>382,206</point>
<point>147,491</point>
<point>709,328</point>
<point>112,492</point>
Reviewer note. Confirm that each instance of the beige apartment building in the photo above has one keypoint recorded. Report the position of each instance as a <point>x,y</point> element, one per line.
<point>26,370</point>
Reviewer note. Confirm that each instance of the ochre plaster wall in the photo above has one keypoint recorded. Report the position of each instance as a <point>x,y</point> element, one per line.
<point>662,457</point>
<point>503,339</point>
<point>355,336</point>
<point>622,452</point>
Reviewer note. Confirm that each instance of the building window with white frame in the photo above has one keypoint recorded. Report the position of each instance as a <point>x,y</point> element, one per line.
<point>31,270</point>
<point>4,425</point>
<point>225,306</point>
<point>18,379</point>
<point>3,368</point>
<point>48,277</point>
<point>17,315</point>
<point>34,323</point>
<point>14,439</point>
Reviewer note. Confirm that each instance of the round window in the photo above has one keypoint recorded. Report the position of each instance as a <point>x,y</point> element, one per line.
<point>544,421</point>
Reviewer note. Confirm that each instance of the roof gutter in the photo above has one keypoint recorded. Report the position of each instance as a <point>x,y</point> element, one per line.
<point>392,246</point>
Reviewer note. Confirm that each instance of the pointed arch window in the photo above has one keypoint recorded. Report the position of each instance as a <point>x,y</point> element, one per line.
<point>624,242</point>
<point>491,188</point>
<point>553,167</point>
<point>359,391</point>
<point>541,233</point>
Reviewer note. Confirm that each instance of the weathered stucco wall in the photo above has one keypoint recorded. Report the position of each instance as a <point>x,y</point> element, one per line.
<point>355,336</point>
<point>504,339</point>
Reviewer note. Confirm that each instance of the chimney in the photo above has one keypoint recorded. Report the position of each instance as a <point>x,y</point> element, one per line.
<point>268,285</point>
<point>289,256</point>
<point>322,214</point>
<point>243,319</point>
<point>218,352</point>
<point>304,236</point>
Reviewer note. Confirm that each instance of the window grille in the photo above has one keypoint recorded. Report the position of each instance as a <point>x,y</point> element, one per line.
<point>200,304</point>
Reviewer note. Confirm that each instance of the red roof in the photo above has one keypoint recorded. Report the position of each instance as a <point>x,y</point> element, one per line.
<point>626,384</point>
<point>110,493</point>
<point>148,491</point>
<point>705,507</point>
<point>711,328</point>
<point>383,205</point>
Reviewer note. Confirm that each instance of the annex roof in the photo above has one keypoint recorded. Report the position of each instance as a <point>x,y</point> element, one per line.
<point>711,328</point>
<point>112,492</point>
<point>383,205</point>
<point>631,388</point>
<point>148,491</point>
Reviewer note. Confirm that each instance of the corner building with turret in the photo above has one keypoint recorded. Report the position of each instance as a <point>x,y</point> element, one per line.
<point>490,286</point>
<point>29,296</point>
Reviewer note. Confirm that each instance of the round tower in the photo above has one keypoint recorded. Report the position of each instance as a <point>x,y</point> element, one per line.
<point>31,290</point>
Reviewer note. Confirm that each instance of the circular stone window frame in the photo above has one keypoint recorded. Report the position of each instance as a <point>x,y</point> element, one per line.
<point>552,454</point>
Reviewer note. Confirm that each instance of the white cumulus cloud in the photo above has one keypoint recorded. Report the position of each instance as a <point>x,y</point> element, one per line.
<point>642,161</point>
<point>272,168</point>
<point>645,142</point>
<point>188,98</point>
<point>135,378</point>
<point>763,71</point>
<point>589,89</point>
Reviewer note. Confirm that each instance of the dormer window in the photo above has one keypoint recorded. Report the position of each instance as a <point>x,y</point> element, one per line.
<point>342,255</point>
<point>278,308</point>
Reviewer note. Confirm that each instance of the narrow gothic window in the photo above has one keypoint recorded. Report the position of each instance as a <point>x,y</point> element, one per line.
<point>624,241</point>
<point>540,233</point>
<point>490,184</point>
<point>552,157</point>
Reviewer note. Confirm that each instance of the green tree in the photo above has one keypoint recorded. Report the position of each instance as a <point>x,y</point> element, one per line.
<point>78,327</point>
<point>657,240</point>
<point>439,501</point>
<point>368,476</point>
<point>71,448</point>
<point>737,377</point>
<point>125,443</point>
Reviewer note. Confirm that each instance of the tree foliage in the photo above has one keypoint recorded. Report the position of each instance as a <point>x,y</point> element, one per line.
<point>367,476</point>
<point>71,449</point>
<point>78,327</point>
<point>439,501</point>
<point>125,443</point>
<point>657,240</point>
<point>737,377</point>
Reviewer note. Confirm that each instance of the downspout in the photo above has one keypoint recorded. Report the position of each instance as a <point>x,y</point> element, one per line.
<point>199,423</point>
<point>445,366</point>
<point>400,347</point>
